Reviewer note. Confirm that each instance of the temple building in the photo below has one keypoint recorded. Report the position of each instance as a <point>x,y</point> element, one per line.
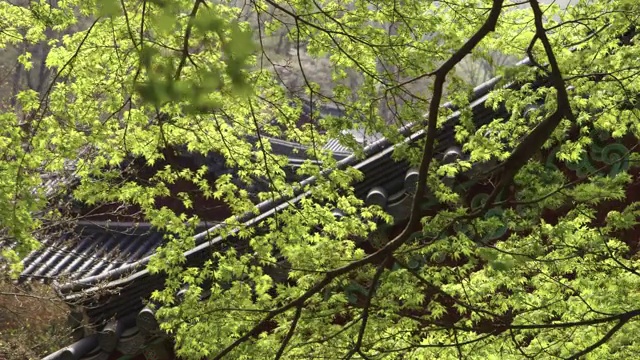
<point>99,267</point>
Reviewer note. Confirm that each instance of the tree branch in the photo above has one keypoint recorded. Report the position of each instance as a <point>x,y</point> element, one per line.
<point>187,35</point>
<point>292,328</point>
<point>421,189</point>
<point>603,340</point>
<point>365,312</point>
<point>541,133</point>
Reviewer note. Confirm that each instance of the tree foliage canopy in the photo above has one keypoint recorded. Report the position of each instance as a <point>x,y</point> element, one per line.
<point>536,265</point>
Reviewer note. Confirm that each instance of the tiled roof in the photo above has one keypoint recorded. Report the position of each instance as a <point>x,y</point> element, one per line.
<point>134,283</point>
<point>381,173</point>
<point>90,249</point>
<point>335,146</point>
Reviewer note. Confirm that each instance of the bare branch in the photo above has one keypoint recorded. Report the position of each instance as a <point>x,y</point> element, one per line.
<point>292,328</point>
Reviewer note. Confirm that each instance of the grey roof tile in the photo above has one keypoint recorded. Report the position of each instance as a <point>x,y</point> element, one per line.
<point>94,248</point>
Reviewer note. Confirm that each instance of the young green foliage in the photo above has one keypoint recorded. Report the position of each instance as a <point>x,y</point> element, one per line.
<point>541,264</point>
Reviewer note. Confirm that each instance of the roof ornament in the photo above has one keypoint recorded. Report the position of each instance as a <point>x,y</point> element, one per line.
<point>337,213</point>
<point>411,180</point>
<point>110,335</point>
<point>377,196</point>
<point>529,110</point>
<point>451,155</point>
<point>147,322</point>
